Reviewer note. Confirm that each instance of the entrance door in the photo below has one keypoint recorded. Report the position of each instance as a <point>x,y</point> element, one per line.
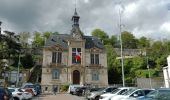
<point>76,77</point>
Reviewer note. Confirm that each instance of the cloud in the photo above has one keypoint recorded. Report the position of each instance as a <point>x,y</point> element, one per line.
<point>141,17</point>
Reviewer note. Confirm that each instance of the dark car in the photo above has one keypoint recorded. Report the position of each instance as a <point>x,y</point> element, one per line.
<point>80,91</point>
<point>95,89</point>
<point>5,94</point>
<point>38,88</point>
<point>158,94</point>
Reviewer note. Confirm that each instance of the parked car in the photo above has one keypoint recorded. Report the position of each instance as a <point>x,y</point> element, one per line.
<point>38,88</point>
<point>80,91</point>
<point>157,94</point>
<point>72,88</point>
<point>27,95</point>
<point>94,89</point>
<point>17,95</point>
<point>95,95</point>
<point>33,87</point>
<point>118,91</point>
<point>28,90</point>
<point>5,94</point>
<point>132,94</point>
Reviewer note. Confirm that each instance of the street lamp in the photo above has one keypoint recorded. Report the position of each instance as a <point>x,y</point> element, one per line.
<point>0,26</point>
<point>17,83</point>
<point>150,81</point>
<point>121,46</point>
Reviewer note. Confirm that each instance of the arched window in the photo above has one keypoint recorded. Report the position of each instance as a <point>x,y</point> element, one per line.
<point>95,76</point>
<point>55,74</point>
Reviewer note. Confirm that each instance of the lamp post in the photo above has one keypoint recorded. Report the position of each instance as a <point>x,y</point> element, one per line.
<point>150,81</point>
<point>121,46</point>
<point>0,26</point>
<point>18,70</point>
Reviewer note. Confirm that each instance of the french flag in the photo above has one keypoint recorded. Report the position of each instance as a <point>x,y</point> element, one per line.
<point>77,56</point>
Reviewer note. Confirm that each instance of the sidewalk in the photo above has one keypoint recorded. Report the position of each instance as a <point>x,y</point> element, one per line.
<point>60,97</point>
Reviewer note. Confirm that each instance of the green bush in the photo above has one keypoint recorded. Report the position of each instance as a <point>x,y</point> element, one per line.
<point>64,88</point>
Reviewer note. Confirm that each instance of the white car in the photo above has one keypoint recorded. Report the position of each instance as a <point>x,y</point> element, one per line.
<point>19,94</point>
<point>27,95</point>
<point>16,94</point>
<point>72,88</point>
<point>132,94</point>
<point>31,87</point>
<point>118,91</point>
<point>96,94</point>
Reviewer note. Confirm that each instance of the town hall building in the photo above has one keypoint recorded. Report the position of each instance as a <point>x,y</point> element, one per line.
<point>73,59</point>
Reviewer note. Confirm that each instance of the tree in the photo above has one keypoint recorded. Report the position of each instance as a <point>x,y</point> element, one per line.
<point>114,41</point>
<point>114,66</point>
<point>102,35</point>
<point>27,61</point>
<point>46,35</point>
<point>143,42</point>
<point>128,40</point>
<point>161,62</point>
<point>38,40</point>
<point>24,38</point>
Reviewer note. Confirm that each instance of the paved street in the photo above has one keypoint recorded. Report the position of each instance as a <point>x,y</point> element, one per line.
<point>58,97</point>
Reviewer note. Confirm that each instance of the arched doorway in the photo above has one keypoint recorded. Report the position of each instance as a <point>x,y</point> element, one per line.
<point>76,77</point>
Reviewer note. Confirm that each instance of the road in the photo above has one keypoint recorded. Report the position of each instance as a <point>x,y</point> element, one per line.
<point>58,97</point>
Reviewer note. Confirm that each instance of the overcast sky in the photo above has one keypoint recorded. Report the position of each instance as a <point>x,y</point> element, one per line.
<point>149,18</point>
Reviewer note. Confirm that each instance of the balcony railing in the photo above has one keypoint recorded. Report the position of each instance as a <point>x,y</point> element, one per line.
<point>95,65</point>
<point>55,65</point>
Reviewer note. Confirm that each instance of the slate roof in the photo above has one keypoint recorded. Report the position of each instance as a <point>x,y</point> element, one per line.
<point>61,39</point>
<point>92,42</point>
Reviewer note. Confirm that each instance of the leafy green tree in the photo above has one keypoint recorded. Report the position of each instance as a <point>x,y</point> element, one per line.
<point>27,61</point>
<point>114,41</point>
<point>46,35</point>
<point>38,40</point>
<point>113,73</point>
<point>157,49</point>
<point>143,42</point>
<point>128,40</point>
<point>161,62</point>
<point>102,35</point>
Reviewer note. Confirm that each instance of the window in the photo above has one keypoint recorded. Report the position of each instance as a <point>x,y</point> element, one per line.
<point>56,57</point>
<point>55,74</point>
<point>76,55</point>
<point>95,76</point>
<point>94,58</point>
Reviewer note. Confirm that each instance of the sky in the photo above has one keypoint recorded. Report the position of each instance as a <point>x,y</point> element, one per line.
<point>149,18</point>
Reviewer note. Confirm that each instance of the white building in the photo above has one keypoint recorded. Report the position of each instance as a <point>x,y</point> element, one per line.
<point>166,72</point>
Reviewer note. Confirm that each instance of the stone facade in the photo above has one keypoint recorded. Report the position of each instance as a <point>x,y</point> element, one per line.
<point>61,67</point>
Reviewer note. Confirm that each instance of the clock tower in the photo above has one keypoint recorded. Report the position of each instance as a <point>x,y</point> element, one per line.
<point>76,32</point>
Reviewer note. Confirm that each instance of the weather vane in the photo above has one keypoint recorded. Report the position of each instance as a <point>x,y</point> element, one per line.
<point>75,4</point>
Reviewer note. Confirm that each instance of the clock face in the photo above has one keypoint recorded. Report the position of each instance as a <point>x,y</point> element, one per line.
<point>76,35</point>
